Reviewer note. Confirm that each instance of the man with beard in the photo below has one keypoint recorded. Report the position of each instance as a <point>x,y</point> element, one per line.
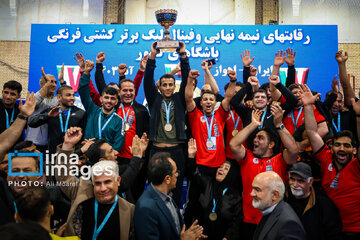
<point>340,169</point>
<point>263,157</point>
<point>167,112</point>
<point>208,125</point>
<point>9,109</point>
<point>295,118</point>
<point>318,214</point>
<point>260,101</point>
<point>278,220</point>
<point>45,98</point>
<point>60,118</point>
<point>102,123</point>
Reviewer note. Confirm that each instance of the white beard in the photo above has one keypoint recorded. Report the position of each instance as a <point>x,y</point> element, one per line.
<point>261,205</point>
<point>297,192</point>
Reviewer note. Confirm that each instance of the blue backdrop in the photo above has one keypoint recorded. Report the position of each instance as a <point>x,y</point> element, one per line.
<point>53,44</point>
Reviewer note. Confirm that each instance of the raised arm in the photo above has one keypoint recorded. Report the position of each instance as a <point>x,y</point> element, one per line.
<point>311,127</point>
<point>236,143</point>
<point>290,60</point>
<point>275,93</point>
<point>138,149</point>
<point>189,91</point>
<point>99,76</point>
<point>140,74</point>
<point>84,91</point>
<point>61,76</point>
<point>356,108</point>
<point>345,83</point>
<point>278,61</point>
<point>43,117</point>
<point>247,60</point>
<point>291,100</point>
<point>290,148</point>
<point>72,136</point>
<point>185,69</point>
<point>149,85</point>
<point>209,79</point>
<point>9,137</point>
<point>230,91</point>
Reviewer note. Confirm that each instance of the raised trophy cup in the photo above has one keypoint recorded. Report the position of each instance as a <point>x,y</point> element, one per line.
<point>167,18</point>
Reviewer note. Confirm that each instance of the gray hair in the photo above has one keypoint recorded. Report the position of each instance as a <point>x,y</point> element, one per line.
<point>107,167</point>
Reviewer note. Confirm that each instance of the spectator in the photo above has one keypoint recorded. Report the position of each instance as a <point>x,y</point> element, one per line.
<point>318,214</point>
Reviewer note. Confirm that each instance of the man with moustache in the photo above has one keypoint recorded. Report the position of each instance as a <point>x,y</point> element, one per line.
<point>104,122</point>
<point>9,109</point>
<point>45,98</point>
<point>263,157</point>
<point>340,167</point>
<point>278,220</point>
<point>318,214</point>
<point>60,118</point>
<point>208,125</point>
<point>167,112</point>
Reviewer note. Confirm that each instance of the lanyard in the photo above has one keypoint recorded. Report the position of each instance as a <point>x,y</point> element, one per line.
<point>262,119</point>
<point>338,127</point>
<point>97,230</point>
<point>237,121</point>
<point>167,110</point>
<point>15,207</point>
<point>209,126</point>
<point>106,123</point>
<point>127,112</point>
<point>7,118</point>
<point>64,128</point>
<point>297,118</point>
<point>215,202</point>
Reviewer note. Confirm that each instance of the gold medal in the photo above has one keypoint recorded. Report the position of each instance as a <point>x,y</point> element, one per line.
<point>168,127</point>
<point>234,132</point>
<point>127,127</point>
<point>213,216</point>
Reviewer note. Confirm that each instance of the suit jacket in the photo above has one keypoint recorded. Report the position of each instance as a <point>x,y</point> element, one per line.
<point>283,223</point>
<point>152,219</point>
<point>80,190</point>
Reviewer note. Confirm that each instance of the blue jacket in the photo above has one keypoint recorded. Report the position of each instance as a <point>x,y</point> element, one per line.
<point>152,219</point>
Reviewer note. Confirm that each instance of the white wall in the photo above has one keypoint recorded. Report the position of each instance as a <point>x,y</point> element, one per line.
<point>16,16</point>
<point>344,13</point>
<point>193,12</point>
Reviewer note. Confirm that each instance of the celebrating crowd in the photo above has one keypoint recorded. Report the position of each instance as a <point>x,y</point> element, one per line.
<point>271,161</point>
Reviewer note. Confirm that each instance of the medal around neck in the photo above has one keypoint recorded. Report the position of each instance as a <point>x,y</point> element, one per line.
<point>213,216</point>
<point>168,127</point>
<point>234,132</point>
<point>127,126</point>
<point>209,143</point>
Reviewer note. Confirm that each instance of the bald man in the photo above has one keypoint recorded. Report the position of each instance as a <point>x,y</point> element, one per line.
<point>279,221</point>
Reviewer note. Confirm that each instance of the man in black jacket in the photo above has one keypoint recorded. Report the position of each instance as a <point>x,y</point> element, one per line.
<point>60,118</point>
<point>167,110</point>
<point>318,214</point>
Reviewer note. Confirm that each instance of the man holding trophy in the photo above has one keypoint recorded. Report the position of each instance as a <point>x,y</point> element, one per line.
<point>167,126</point>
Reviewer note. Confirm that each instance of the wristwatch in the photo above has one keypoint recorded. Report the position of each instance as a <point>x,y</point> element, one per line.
<point>22,117</point>
<point>281,127</point>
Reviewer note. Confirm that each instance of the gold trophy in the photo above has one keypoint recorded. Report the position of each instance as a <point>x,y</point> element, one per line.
<point>167,18</point>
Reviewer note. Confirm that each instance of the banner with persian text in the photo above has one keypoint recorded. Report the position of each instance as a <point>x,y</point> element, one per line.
<point>315,46</point>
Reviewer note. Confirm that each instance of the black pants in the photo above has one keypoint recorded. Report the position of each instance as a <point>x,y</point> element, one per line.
<point>178,155</point>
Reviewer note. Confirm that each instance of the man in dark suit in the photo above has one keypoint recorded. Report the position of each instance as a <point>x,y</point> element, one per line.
<point>279,221</point>
<point>156,214</point>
